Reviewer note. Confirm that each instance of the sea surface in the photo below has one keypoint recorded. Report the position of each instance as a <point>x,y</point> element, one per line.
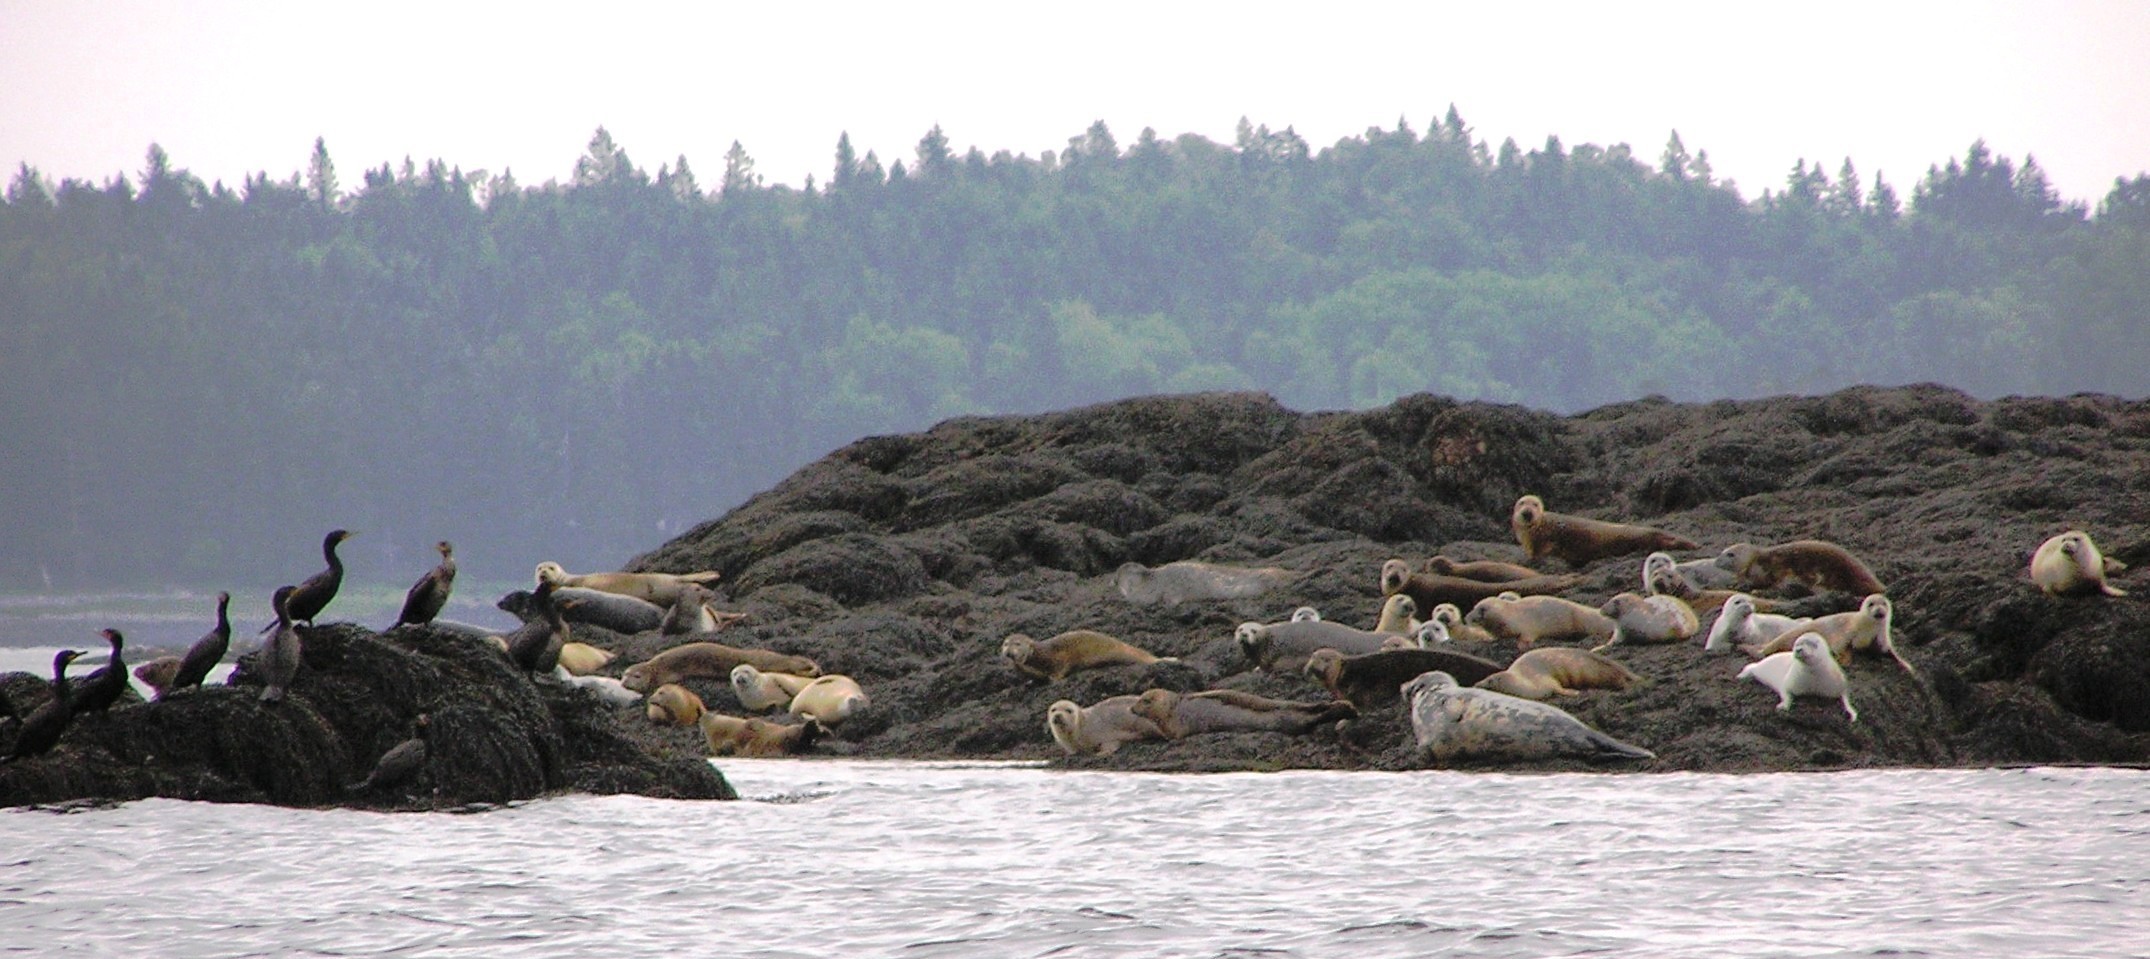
<point>861,858</point>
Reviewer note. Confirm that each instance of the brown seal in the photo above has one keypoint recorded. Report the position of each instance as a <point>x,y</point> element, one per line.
<point>1283,647</point>
<point>1429,590</point>
<point>1557,670</point>
<point>1068,652</point>
<point>1649,619</point>
<point>1866,629</point>
<point>1374,678</point>
<point>2070,565</point>
<point>1179,715</point>
<point>157,674</point>
<point>690,613</point>
<point>674,705</point>
<point>1529,620</point>
<point>734,736</point>
<point>660,588</point>
<point>1098,730</point>
<point>1580,540</point>
<point>712,660</point>
<point>1820,564</point>
<point>1483,570</point>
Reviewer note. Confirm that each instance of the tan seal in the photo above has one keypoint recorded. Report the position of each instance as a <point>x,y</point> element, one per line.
<point>1429,590</point>
<point>1866,630</point>
<point>737,736</point>
<point>1180,715</point>
<point>1557,671</point>
<point>1649,619</point>
<point>829,699</point>
<point>1374,678</point>
<point>710,660</point>
<point>1283,647</point>
<point>582,659</point>
<point>2070,565</point>
<point>1483,570</point>
<point>1399,616</point>
<point>158,673</point>
<point>1530,620</point>
<point>1077,649</point>
<point>662,589</point>
<point>1099,729</point>
<point>1579,540</point>
<point>674,705</point>
<point>1188,580</point>
<point>1740,624</point>
<point>760,692</point>
<point>1817,563</point>
<point>1806,669</point>
<point>1452,722</point>
<point>1450,618</point>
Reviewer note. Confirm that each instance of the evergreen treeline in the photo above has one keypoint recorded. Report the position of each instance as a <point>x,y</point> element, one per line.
<point>197,381</point>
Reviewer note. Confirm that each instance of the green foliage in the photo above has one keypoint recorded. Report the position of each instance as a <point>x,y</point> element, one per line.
<point>195,376</point>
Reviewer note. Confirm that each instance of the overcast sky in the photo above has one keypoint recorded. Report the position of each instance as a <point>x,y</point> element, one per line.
<point>229,87</point>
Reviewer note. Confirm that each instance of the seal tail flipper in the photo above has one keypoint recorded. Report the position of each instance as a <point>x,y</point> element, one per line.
<point>1610,748</point>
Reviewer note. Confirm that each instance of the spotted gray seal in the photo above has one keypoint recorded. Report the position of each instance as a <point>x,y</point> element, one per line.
<point>1454,722</point>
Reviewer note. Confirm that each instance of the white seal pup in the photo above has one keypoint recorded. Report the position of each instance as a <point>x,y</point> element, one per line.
<point>1452,721</point>
<point>1305,614</point>
<point>610,691</point>
<point>1649,619</point>
<point>760,692</point>
<point>1806,670</point>
<point>1739,625</point>
<point>2070,565</point>
<point>1098,730</point>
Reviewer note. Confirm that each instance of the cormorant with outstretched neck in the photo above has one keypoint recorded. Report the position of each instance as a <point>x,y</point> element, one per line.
<point>102,688</point>
<point>430,593</point>
<point>206,651</point>
<point>280,653</point>
<point>309,598</point>
<point>41,731</point>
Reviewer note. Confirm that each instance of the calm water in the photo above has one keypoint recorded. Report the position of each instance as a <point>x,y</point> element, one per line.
<point>844,858</point>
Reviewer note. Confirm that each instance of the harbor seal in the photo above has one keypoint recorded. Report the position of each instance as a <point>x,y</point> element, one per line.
<point>535,646</point>
<point>760,692</point>
<point>1483,570</point>
<point>1649,619</point>
<point>1433,633</point>
<point>690,613</point>
<point>157,673</point>
<point>1695,574</point>
<point>1450,618</point>
<point>1305,614</point>
<point>1187,579</point>
<point>660,589</point>
<point>1429,590</point>
<point>1530,620</point>
<point>829,700</point>
<point>1867,629</point>
<point>1557,671</point>
<point>430,593</point>
<point>674,705</point>
<point>1454,722</point>
<point>609,691</point>
<point>1099,729</point>
<point>1077,649</point>
<point>1579,540</point>
<point>1738,624</point>
<point>625,615</point>
<point>2070,565</point>
<point>711,660</point>
<point>1817,563</point>
<point>1374,678</point>
<point>1399,616</point>
<point>735,736</point>
<point>1179,715</point>
<point>1806,669</point>
<point>1283,647</point>
<point>582,659</point>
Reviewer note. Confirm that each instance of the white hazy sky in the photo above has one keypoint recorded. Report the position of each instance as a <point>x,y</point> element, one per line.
<point>230,87</point>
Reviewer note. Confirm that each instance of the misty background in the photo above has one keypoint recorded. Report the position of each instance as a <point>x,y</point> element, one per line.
<point>198,380</point>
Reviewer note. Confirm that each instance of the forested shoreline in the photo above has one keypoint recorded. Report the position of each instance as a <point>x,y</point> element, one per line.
<point>198,380</point>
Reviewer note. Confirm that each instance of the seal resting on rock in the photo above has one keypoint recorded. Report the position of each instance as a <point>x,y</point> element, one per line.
<point>1738,624</point>
<point>2070,565</point>
<point>1450,619</point>
<point>1454,722</point>
<point>1818,563</point>
<point>1530,620</point>
<point>1483,570</point>
<point>1807,669</point>
<point>1429,590</point>
<point>1649,619</point>
<point>1374,678</point>
<point>582,659</point>
<point>1283,647</point>
<point>674,705</point>
<point>1073,650</point>
<point>1188,579</point>
<point>1557,671</point>
<point>1695,574</point>
<point>625,615</point>
<point>1099,729</point>
<point>1865,629</point>
<point>760,692</point>
<point>711,660</point>
<point>829,700</point>
<point>661,589</point>
<point>735,736</point>
<point>1579,540</point>
<point>1180,715</point>
<point>157,673</point>
<point>610,691</point>
<point>1399,616</point>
